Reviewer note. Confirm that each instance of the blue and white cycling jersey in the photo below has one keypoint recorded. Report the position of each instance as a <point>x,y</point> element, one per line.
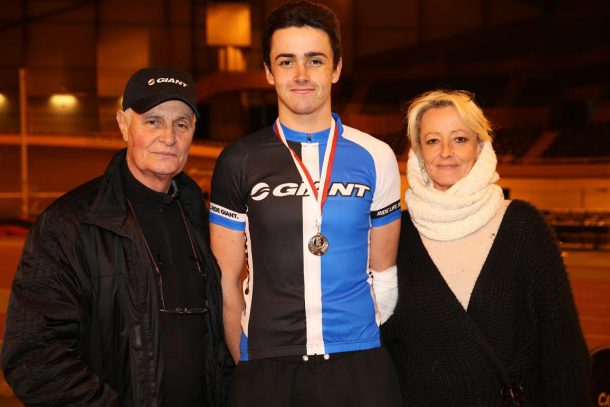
<point>298,303</point>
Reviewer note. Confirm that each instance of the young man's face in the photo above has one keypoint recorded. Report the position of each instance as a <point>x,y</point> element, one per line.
<point>302,71</point>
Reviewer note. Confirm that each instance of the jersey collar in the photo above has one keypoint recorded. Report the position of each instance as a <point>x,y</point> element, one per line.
<point>317,137</point>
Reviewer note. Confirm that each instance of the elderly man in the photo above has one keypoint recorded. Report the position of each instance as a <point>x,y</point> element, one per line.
<point>116,300</point>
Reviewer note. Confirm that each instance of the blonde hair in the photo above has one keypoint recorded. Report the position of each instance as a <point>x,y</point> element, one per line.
<point>462,101</point>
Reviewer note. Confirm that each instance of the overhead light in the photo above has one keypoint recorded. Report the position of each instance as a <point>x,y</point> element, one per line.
<point>228,24</point>
<point>63,101</point>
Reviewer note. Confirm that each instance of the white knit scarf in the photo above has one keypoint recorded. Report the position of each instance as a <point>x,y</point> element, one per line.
<point>460,210</point>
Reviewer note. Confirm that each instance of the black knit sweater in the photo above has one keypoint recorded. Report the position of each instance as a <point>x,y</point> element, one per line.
<point>521,302</point>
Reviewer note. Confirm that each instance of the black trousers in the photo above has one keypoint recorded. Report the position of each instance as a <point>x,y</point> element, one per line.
<point>351,379</point>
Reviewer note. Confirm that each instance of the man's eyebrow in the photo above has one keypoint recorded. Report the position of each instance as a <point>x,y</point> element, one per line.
<point>285,56</point>
<point>307,55</point>
<point>315,54</point>
<point>187,116</point>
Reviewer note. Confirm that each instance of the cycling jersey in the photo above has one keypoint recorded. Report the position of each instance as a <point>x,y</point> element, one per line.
<point>298,303</point>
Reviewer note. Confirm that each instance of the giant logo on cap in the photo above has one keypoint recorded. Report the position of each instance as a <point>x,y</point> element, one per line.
<point>152,81</point>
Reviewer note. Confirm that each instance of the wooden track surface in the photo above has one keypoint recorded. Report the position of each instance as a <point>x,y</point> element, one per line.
<point>589,273</point>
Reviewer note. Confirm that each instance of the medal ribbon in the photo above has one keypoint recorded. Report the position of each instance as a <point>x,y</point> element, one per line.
<point>327,164</point>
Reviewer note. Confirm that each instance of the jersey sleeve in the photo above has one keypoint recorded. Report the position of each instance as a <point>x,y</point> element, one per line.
<point>228,199</point>
<point>385,207</point>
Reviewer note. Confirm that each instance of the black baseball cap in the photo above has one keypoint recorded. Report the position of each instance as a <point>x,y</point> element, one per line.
<point>150,86</point>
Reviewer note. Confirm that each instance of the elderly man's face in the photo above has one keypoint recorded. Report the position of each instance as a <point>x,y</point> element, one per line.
<point>158,142</point>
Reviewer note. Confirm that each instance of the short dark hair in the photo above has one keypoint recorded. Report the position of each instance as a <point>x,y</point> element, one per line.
<point>302,14</point>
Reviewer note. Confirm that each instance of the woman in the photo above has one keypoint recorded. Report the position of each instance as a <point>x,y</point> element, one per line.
<point>485,315</point>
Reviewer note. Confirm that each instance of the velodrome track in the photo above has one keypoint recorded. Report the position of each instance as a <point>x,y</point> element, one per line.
<point>57,164</point>
<point>589,273</point>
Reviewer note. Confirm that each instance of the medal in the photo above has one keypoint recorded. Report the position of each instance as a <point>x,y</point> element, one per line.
<point>318,243</point>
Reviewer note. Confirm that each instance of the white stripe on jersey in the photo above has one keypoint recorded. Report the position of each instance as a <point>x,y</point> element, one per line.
<point>312,265</point>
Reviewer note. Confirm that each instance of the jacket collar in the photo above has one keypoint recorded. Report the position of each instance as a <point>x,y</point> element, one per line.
<point>108,209</point>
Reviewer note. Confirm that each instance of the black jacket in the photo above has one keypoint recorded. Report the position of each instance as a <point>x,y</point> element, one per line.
<point>82,323</point>
<point>521,305</point>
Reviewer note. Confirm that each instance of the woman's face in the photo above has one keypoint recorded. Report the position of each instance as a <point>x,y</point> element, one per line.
<point>448,147</point>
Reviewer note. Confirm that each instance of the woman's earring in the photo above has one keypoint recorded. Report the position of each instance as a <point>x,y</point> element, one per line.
<point>424,173</point>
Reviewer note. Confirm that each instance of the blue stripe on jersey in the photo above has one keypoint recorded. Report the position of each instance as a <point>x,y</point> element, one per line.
<point>348,309</point>
<point>227,223</point>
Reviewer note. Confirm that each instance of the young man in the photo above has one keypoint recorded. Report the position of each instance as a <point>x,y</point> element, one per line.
<point>315,206</point>
<point>116,301</point>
